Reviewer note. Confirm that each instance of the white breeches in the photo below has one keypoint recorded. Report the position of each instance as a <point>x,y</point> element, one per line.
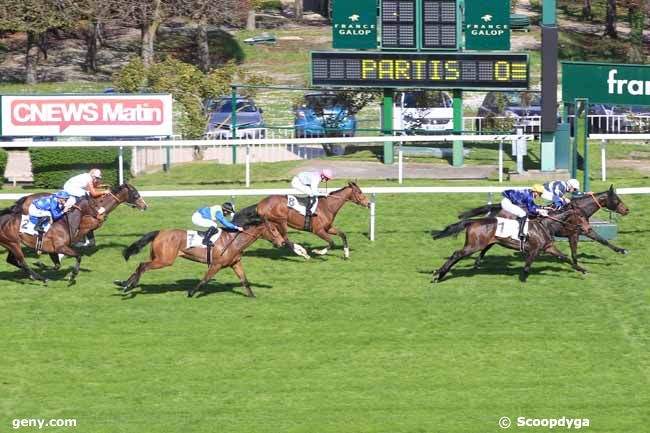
<point>508,206</point>
<point>76,191</point>
<point>547,195</point>
<point>38,213</point>
<point>305,189</point>
<point>197,219</point>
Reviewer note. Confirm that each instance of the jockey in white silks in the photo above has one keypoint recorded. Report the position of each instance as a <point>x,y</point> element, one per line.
<point>307,182</point>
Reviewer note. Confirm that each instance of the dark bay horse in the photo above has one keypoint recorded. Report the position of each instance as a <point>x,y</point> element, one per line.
<point>107,203</point>
<point>57,240</point>
<point>167,245</point>
<point>274,208</point>
<point>589,204</point>
<point>480,233</point>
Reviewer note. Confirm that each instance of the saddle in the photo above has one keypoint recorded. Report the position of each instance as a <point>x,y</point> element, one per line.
<point>299,204</point>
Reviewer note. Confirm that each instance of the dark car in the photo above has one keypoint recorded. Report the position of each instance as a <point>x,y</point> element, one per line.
<point>249,120</point>
<point>523,108</point>
<point>321,115</point>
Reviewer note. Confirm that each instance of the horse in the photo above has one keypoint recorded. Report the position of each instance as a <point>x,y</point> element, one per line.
<point>109,201</point>
<point>167,245</point>
<point>481,233</point>
<point>589,204</point>
<point>274,208</point>
<point>57,240</point>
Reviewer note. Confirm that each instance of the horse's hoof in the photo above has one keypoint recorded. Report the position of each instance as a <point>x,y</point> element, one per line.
<point>435,280</point>
<point>190,294</point>
<point>45,281</point>
<point>72,282</point>
<point>624,252</point>
<point>126,289</point>
<point>436,272</point>
<point>119,283</point>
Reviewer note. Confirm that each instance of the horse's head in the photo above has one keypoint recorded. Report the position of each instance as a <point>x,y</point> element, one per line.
<point>127,193</point>
<point>357,195</point>
<point>579,219</point>
<point>270,232</point>
<point>614,202</point>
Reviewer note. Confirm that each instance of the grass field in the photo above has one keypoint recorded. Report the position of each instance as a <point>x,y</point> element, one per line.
<point>365,345</point>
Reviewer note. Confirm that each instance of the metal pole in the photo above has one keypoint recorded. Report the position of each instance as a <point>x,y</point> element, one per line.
<point>168,158</point>
<point>501,161</point>
<point>120,159</point>
<point>248,166</point>
<point>603,160</point>
<point>400,164</point>
<point>233,123</point>
<point>458,158</point>
<point>520,143</point>
<point>387,124</point>
<point>372,217</point>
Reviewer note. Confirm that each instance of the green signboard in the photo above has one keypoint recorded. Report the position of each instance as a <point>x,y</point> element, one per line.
<point>487,25</point>
<point>606,83</point>
<point>354,24</point>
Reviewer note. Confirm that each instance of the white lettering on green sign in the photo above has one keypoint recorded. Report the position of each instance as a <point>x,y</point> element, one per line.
<point>633,87</point>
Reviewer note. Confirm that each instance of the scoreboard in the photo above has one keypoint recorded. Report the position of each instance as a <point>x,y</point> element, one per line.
<point>420,70</point>
<point>432,27</point>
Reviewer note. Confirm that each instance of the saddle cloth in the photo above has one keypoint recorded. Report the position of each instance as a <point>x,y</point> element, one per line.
<point>27,227</point>
<point>507,228</point>
<point>299,204</point>
<point>195,239</point>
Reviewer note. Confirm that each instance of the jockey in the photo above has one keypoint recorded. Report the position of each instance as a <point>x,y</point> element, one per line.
<point>81,186</point>
<point>307,182</point>
<point>209,216</point>
<point>556,190</point>
<point>514,198</point>
<point>47,209</point>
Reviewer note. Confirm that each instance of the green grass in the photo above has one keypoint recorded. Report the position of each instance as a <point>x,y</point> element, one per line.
<point>365,345</point>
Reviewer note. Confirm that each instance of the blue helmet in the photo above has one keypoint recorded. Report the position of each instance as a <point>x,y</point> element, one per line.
<point>62,194</point>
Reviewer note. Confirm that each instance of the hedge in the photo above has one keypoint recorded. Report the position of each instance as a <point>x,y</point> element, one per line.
<point>53,166</point>
<point>3,164</point>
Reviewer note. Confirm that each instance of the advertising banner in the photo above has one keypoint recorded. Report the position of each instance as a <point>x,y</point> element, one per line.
<point>354,24</point>
<point>487,25</point>
<point>86,115</point>
<point>606,83</point>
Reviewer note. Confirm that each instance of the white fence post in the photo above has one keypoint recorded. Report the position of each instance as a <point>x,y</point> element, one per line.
<point>603,160</point>
<point>372,217</point>
<point>248,166</point>
<point>400,165</point>
<point>501,161</point>
<point>120,162</point>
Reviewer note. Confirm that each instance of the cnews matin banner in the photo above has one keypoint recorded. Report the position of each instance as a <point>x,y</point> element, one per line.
<point>86,115</point>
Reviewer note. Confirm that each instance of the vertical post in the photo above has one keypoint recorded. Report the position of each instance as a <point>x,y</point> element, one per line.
<point>521,145</point>
<point>134,161</point>
<point>120,162</point>
<point>168,157</point>
<point>387,124</point>
<point>603,160</point>
<point>233,123</point>
<point>549,84</point>
<point>458,157</point>
<point>580,136</point>
<point>400,164</point>
<point>501,161</point>
<point>248,166</point>
<point>489,198</point>
<point>371,231</point>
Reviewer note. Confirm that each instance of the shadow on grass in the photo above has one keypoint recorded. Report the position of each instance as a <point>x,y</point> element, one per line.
<point>185,285</point>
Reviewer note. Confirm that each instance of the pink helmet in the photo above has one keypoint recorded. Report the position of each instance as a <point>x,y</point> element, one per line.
<point>327,173</point>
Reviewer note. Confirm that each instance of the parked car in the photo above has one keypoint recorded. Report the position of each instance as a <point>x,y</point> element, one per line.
<point>422,112</point>
<point>249,120</point>
<point>320,115</point>
<point>524,108</point>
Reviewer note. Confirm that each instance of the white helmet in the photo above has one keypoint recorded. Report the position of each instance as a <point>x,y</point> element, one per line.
<point>574,183</point>
<point>96,173</point>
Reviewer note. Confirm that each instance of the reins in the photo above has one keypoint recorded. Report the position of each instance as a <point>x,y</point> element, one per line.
<point>233,240</point>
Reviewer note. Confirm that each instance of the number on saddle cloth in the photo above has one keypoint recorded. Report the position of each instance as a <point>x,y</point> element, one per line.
<point>299,204</point>
<point>195,239</point>
<point>509,228</point>
<point>28,225</point>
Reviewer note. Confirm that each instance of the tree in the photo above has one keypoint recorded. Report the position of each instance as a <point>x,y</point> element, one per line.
<point>637,17</point>
<point>204,13</point>
<point>586,10</point>
<point>35,17</point>
<point>96,14</point>
<point>610,20</point>
<point>148,15</point>
<point>298,8</point>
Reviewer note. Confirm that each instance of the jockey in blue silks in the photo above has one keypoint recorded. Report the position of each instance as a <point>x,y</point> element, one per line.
<point>516,199</point>
<point>45,210</point>
<point>209,216</point>
<point>556,191</point>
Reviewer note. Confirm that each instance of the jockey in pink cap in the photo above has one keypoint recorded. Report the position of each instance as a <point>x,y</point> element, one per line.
<point>307,182</point>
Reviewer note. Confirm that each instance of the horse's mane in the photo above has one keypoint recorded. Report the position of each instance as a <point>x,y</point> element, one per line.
<point>248,216</point>
<point>117,188</point>
<point>349,185</point>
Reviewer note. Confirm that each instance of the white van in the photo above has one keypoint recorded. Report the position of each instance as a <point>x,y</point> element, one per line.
<point>422,112</point>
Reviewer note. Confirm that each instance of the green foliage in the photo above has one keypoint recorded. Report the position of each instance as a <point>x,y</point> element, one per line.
<point>51,167</point>
<point>3,162</point>
<point>267,4</point>
<point>132,77</point>
<point>497,121</point>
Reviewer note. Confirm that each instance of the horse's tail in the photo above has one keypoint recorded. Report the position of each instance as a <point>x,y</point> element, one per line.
<point>137,246</point>
<point>248,217</point>
<point>15,208</point>
<point>452,229</point>
<point>487,210</point>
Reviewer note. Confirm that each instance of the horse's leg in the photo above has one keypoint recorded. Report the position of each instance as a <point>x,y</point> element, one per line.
<point>595,236</point>
<point>17,258</point>
<point>530,258</point>
<point>296,248</point>
<point>466,251</point>
<point>326,237</point>
<point>55,259</point>
<point>239,270</point>
<point>552,249</point>
<point>573,243</point>
<point>70,252</point>
<point>213,269</point>
<point>134,279</point>
<point>479,259</point>
<point>344,238</point>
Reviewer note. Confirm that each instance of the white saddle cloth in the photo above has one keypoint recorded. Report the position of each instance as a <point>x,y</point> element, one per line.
<point>27,227</point>
<point>507,228</point>
<point>293,203</point>
<point>194,239</point>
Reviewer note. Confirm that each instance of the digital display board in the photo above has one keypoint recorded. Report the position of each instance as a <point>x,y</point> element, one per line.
<point>420,70</point>
<point>439,28</point>
<point>398,24</point>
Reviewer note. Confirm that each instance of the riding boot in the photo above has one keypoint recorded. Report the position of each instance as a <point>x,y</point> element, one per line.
<point>40,229</point>
<point>522,236</point>
<point>211,231</point>
<point>310,203</point>
<point>90,237</point>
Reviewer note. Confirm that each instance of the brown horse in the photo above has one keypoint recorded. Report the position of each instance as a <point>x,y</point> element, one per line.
<point>481,233</point>
<point>56,240</point>
<point>589,204</point>
<point>274,208</point>
<point>125,193</point>
<point>167,245</point>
